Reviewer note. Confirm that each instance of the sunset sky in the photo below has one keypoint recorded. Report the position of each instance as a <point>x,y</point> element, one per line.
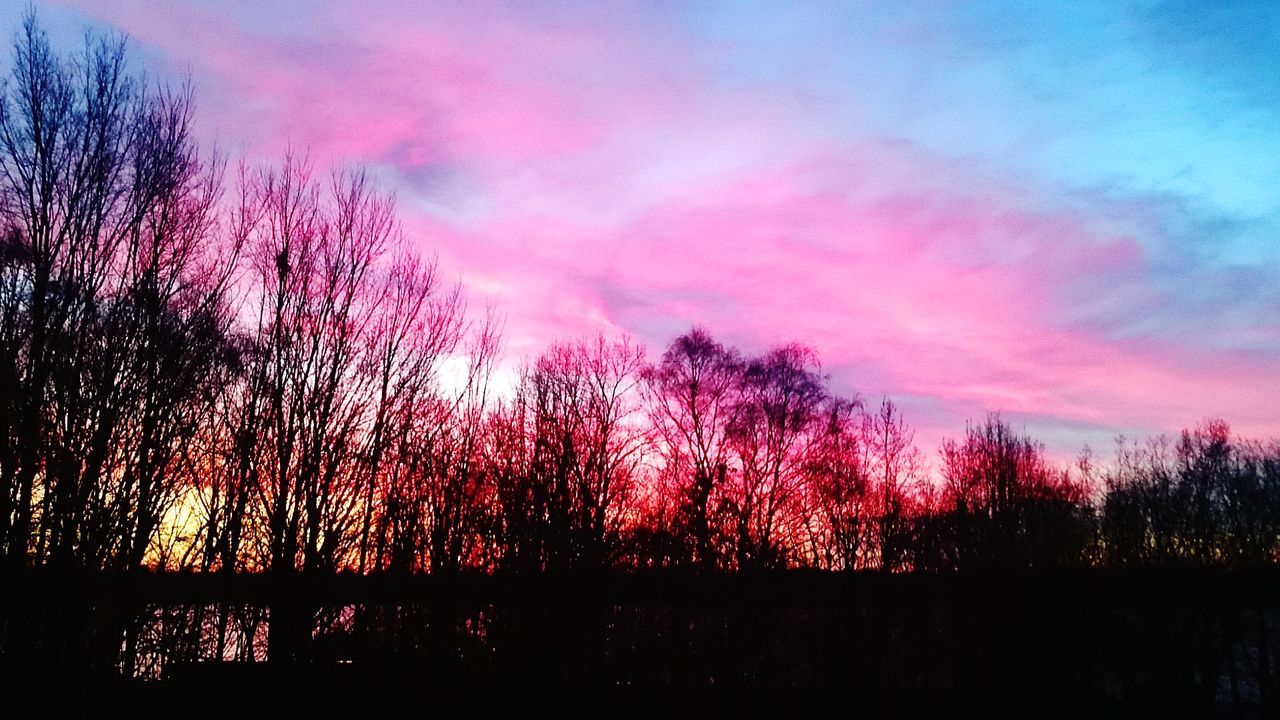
<point>1069,212</point>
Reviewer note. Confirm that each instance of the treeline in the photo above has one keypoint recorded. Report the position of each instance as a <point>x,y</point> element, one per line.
<point>260,373</point>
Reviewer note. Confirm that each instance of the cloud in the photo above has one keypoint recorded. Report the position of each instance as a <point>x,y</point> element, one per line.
<point>941,228</point>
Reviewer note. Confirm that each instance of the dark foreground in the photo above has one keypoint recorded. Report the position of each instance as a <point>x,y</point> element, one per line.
<point>1198,642</point>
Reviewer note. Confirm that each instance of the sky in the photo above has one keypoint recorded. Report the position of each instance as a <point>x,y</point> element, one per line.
<point>1066,212</point>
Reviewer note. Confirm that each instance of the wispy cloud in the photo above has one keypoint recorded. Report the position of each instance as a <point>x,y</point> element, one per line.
<point>1061,215</point>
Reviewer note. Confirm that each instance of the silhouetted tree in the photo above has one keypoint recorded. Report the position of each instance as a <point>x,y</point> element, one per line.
<point>840,484</point>
<point>780,401</point>
<point>897,468</point>
<point>693,400</point>
<point>566,454</point>
<point>460,501</point>
<point>1206,500</point>
<point>112,305</point>
<point>1010,508</point>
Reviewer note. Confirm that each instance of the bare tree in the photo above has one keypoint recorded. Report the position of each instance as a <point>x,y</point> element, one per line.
<point>1011,507</point>
<point>1205,498</point>
<point>897,466</point>
<point>113,309</point>
<point>838,471</point>
<point>566,454</point>
<point>782,393</point>
<point>433,507</point>
<point>693,400</point>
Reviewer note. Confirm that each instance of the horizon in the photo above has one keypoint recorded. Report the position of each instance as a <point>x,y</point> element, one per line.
<point>1064,216</point>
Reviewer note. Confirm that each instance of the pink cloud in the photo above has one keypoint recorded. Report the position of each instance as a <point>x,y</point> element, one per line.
<point>586,172</point>
<point>957,295</point>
